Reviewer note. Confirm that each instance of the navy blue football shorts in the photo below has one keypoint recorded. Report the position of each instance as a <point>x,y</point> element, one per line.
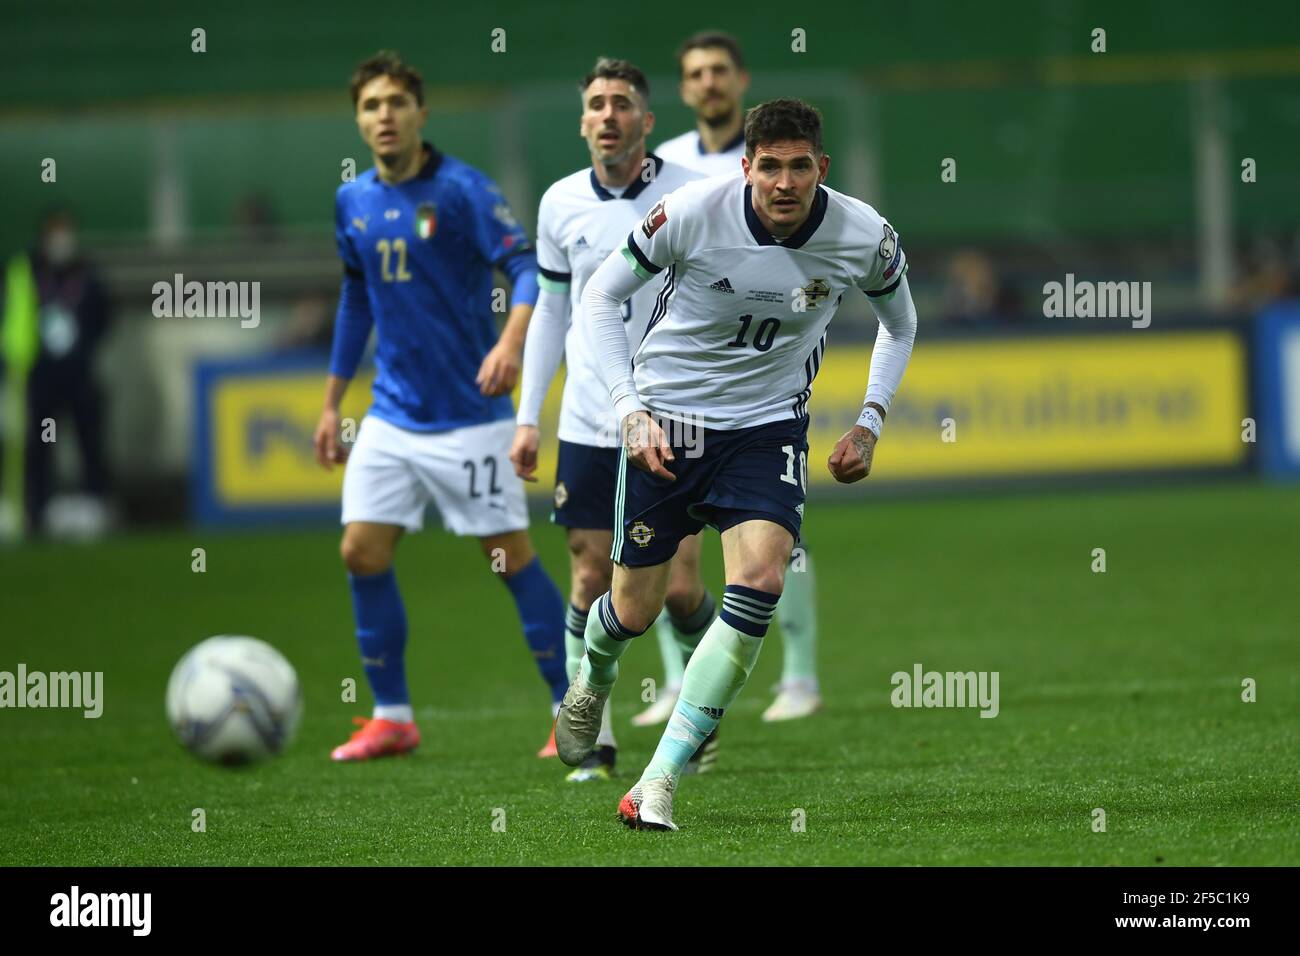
<point>586,477</point>
<point>736,475</point>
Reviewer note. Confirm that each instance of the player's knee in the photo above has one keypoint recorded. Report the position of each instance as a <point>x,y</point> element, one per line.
<point>514,551</point>
<point>591,567</point>
<point>591,578</point>
<point>684,597</point>
<point>686,567</point>
<point>768,579</point>
<point>364,557</point>
<point>635,617</point>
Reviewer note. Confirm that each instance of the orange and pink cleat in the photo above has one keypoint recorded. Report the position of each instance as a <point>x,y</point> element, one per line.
<point>377,738</point>
<point>548,750</point>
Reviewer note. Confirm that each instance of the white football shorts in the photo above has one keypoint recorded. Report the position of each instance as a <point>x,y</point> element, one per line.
<point>392,473</point>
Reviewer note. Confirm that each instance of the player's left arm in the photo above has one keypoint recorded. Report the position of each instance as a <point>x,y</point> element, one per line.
<point>501,240</point>
<point>891,301</point>
<point>649,249</point>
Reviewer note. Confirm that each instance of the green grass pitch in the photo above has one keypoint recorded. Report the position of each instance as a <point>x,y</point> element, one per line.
<point>1120,690</point>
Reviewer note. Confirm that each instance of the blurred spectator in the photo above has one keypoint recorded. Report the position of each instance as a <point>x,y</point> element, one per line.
<point>255,218</point>
<point>975,294</point>
<point>67,318</point>
<point>1267,273</point>
<point>311,322</point>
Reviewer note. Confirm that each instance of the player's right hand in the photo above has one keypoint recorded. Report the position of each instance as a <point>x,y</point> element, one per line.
<point>647,445</point>
<point>329,451</point>
<point>523,452</point>
<point>850,461</point>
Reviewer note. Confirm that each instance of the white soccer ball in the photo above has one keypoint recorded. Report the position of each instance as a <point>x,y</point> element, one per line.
<point>234,700</point>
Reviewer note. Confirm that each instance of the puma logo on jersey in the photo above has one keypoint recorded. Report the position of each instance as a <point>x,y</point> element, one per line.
<point>723,285</point>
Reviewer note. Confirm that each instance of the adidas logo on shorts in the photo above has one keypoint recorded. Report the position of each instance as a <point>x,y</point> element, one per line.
<point>723,285</point>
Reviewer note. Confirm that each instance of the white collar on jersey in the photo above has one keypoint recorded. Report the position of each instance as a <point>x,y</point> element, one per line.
<point>800,235</point>
<point>634,188</point>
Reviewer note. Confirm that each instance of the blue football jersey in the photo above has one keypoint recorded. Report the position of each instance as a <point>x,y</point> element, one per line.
<point>425,250</point>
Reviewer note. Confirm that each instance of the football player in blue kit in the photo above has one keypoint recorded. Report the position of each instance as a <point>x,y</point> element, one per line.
<point>420,234</point>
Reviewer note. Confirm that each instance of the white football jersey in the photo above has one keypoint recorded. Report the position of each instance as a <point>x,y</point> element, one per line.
<point>579,223</point>
<point>739,328</point>
<point>687,150</point>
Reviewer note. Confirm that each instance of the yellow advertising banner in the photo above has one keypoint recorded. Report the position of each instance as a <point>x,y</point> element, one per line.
<point>1029,406</point>
<point>974,408</point>
<point>262,427</point>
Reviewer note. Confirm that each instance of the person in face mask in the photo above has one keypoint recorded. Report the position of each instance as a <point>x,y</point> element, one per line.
<point>61,386</point>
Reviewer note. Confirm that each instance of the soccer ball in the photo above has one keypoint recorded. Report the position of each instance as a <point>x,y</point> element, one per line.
<point>234,700</point>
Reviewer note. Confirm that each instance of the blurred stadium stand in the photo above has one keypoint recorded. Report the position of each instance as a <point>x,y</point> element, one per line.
<point>223,165</point>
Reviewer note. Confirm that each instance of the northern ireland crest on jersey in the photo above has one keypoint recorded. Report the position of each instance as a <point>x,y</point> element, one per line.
<point>889,244</point>
<point>655,218</point>
<point>561,494</point>
<point>641,533</point>
<point>426,220</point>
<point>814,292</point>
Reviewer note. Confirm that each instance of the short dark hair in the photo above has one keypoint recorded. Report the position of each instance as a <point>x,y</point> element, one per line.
<point>608,68</point>
<point>711,39</point>
<point>387,63</point>
<point>778,120</point>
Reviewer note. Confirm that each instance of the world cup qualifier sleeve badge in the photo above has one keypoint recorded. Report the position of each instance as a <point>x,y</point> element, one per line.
<point>426,220</point>
<point>655,218</point>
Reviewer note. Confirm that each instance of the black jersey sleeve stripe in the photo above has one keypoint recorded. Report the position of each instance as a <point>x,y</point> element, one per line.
<point>555,276</point>
<point>877,293</point>
<point>646,264</point>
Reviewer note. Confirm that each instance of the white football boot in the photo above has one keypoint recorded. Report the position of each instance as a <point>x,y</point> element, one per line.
<point>649,805</point>
<point>660,710</point>
<point>795,699</point>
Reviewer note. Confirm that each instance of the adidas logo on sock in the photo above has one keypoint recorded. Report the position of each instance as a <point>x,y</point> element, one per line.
<point>723,285</point>
<point>713,712</point>
<point>581,243</point>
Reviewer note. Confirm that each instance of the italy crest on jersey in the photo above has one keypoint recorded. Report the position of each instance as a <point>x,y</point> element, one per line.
<point>426,220</point>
